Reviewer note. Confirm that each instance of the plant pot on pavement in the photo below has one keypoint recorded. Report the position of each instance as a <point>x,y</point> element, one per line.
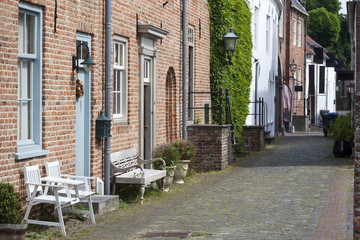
<point>342,149</point>
<point>181,169</point>
<point>13,231</point>
<point>168,179</point>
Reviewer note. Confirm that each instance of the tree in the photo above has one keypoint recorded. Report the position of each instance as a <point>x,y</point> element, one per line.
<point>343,45</point>
<point>333,6</point>
<point>324,27</point>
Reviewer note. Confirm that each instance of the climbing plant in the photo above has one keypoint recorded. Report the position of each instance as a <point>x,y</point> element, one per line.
<point>235,77</point>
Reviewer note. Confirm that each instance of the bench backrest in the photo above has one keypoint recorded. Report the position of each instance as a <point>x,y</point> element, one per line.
<point>53,169</point>
<point>124,159</point>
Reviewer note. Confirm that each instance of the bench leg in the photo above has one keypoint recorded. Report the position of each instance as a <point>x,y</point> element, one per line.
<point>91,210</point>
<point>163,184</point>
<point>142,191</point>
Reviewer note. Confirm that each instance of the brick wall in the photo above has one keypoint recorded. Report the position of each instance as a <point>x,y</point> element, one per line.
<point>357,123</point>
<point>58,83</point>
<point>256,134</point>
<point>213,148</point>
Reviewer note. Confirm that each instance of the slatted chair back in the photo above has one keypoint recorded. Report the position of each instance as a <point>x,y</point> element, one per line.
<point>32,175</point>
<point>53,169</point>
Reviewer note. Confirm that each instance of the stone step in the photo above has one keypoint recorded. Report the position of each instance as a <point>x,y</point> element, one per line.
<point>104,203</point>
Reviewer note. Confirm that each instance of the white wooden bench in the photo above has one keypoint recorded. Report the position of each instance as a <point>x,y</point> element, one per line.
<point>127,168</point>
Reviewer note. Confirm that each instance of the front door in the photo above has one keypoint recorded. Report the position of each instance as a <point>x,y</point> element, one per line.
<point>82,131</point>
<point>147,121</point>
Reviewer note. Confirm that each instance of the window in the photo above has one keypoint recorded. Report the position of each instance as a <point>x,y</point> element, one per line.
<point>120,79</point>
<point>299,84</point>
<point>299,33</point>
<point>322,80</point>
<point>29,124</point>
<point>267,33</point>
<point>281,24</point>
<point>294,31</point>
<point>256,19</point>
<point>191,36</point>
<point>146,70</point>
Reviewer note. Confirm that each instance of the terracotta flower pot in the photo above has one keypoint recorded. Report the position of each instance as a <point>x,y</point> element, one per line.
<point>13,231</point>
<point>181,171</point>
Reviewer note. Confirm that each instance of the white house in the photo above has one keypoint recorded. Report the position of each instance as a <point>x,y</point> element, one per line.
<point>265,24</point>
<point>320,84</point>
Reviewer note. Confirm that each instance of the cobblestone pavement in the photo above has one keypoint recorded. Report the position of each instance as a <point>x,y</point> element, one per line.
<point>295,189</point>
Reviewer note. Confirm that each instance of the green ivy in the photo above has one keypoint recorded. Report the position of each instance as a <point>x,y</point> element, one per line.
<point>236,77</point>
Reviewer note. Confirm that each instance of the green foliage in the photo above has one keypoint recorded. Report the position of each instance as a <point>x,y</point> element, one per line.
<point>168,152</point>
<point>341,129</point>
<point>10,205</point>
<point>343,46</point>
<point>236,77</point>
<point>185,148</point>
<point>333,6</point>
<point>324,27</point>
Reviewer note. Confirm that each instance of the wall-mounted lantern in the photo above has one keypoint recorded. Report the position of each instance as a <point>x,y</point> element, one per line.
<point>102,126</point>
<point>87,63</point>
<point>230,42</point>
<point>293,67</point>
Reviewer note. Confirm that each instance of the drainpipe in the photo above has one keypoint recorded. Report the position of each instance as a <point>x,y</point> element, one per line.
<point>256,82</point>
<point>107,91</point>
<point>184,73</point>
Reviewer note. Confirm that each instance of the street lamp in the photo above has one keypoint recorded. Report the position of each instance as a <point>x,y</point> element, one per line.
<point>230,42</point>
<point>293,67</point>
<point>87,63</point>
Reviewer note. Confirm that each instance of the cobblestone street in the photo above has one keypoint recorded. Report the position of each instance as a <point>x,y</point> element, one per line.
<point>295,189</point>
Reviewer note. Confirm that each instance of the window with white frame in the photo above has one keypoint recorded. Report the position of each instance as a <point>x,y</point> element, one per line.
<point>120,79</point>
<point>256,20</point>
<point>29,119</point>
<point>267,33</point>
<point>146,72</point>
<point>281,24</point>
<point>191,36</point>
<point>299,83</point>
<point>299,33</point>
<point>294,31</point>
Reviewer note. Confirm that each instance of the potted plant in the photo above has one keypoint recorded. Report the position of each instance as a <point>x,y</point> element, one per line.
<point>342,132</point>
<point>170,155</point>
<point>186,151</point>
<point>11,220</point>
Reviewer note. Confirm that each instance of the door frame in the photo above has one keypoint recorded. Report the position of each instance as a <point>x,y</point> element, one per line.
<point>86,135</point>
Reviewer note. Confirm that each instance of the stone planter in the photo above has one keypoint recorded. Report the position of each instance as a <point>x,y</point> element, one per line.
<point>342,149</point>
<point>181,171</point>
<point>168,179</point>
<point>13,231</point>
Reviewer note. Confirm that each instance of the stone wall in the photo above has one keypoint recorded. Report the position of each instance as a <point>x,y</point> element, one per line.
<point>256,134</point>
<point>213,146</point>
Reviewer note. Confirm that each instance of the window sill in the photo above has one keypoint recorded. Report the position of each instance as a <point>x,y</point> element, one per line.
<point>30,154</point>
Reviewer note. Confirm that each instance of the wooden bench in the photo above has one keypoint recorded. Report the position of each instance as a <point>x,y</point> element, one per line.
<point>127,168</point>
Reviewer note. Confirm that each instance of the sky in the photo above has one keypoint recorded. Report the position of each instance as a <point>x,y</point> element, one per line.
<point>343,6</point>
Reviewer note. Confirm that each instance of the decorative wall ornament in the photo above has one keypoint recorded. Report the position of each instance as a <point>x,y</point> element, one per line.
<point>79,88</point>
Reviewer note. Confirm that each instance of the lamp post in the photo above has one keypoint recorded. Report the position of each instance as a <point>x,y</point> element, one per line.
<point>230,42</point>
<point>293,67</point>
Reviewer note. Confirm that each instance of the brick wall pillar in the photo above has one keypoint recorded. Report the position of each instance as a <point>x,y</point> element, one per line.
<point>357,124</point>
<point>256,134</point>
<point>213,146</point>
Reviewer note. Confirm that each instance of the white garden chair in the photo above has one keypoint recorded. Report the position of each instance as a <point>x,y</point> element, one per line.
<point>36,195</point>
<point>84,192</point>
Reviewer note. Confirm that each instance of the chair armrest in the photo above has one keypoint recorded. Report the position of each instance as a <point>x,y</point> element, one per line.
<point>82,177</point>
<point>142,161</point>
<point>47,185</point>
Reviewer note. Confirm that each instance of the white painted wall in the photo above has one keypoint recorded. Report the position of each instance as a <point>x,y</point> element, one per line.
<point>265,15</point>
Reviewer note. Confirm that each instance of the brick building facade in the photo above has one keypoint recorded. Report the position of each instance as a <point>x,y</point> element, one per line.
<point>292,46</point>
<point>353,13</point>
<point>41,117</point>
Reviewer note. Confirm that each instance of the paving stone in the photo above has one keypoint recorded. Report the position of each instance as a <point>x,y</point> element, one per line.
<point>295,189</point>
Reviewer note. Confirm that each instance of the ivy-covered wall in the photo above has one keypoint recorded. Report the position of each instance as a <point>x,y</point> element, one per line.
<point>237,77</point>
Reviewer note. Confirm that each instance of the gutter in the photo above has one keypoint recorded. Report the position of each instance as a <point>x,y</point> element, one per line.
<point>107,91</point>
<point>184,132</point>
